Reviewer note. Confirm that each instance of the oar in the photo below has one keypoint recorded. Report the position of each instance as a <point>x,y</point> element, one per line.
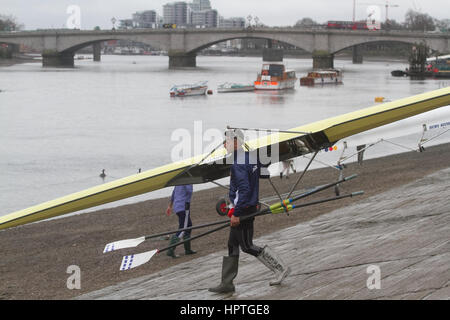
<point>131,243</point>
<point>135,260</point>
<point>283,205</point>
<point>291,206</point>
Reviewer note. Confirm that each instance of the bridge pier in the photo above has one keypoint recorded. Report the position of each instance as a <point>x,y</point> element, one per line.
<point>58,59</point>
<point>357,55</point>
<point>182,60</point>
<point>8,51</point>
<point>323,60</point>
<point>97,51</point>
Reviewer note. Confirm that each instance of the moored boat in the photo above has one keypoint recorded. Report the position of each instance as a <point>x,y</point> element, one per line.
<point>184,90</point>
<point>398,73</point>
<point>234,87</point>
<point>274,76</point>
<point>325,76</point>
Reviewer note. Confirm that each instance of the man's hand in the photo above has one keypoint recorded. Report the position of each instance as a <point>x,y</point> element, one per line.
<point>235,221</point>
<point>230,212</point>
<point>169,210</point>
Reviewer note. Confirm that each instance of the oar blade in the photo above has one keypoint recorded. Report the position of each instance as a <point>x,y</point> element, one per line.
<point>135,260</point>
<point>122,244</point>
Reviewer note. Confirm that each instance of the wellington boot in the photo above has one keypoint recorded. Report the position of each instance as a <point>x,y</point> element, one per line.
<point>187,246</point>
<point>229,272</point>
<point>275,264</point>
<point>171,251</point>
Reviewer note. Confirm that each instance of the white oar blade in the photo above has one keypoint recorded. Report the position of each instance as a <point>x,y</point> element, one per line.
<point>122,244</point>
<point>135,260</point>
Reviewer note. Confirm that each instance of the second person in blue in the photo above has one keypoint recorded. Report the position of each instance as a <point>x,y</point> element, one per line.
<point>180,203</point>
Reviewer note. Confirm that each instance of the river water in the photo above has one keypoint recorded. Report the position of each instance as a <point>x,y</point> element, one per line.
<point>61,127</point>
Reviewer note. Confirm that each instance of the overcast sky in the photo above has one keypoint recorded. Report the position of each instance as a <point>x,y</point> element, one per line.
<point>53,13</point>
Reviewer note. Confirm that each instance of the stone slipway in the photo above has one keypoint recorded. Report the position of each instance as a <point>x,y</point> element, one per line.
<point>405,232</point>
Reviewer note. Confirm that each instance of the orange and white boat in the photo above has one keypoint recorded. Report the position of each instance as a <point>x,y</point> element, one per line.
<point>274,76</point>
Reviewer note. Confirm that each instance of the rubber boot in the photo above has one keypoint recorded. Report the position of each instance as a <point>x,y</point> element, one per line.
<point>187,246</point>
<point>275,264</point>
<point>229,272</point>
<point>171,251</point>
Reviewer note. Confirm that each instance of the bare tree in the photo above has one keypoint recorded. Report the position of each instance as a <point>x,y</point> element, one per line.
<point>305,22</point>
<point>392,25</point>
<point>9,23</point>
<point>443,25</point>
<point>418,21</point>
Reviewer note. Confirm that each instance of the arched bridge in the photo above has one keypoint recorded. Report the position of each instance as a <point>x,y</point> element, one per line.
<point>58,47</point>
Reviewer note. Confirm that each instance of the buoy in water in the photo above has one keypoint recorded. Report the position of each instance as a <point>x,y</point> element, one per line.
<point>379,99</point>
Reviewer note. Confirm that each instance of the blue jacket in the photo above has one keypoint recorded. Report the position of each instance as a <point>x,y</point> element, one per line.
<point>180,196</point>
<point>244,182</point>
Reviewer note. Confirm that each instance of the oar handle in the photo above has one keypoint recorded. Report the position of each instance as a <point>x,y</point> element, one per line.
<point>195,237</point>
<point>185,229</point>
<point>260,213</point>
<point>286,202</point>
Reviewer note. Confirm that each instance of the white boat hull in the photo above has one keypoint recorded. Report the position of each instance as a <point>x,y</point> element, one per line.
<point>189,92</point>
<point>241,89</point>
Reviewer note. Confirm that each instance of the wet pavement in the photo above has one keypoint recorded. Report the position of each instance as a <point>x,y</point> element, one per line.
<point>400,237</point>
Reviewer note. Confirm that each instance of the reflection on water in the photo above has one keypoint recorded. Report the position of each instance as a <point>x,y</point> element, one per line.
<point>61,127</point>
<point>276,97</point>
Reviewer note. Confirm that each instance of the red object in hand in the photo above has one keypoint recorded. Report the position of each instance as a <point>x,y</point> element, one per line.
<point>230,212</point>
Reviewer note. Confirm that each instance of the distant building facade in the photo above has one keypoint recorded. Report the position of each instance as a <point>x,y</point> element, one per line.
<point>126,24</point>
<point>204,18</point>
<point>176,13</point>
<point>200,5</point>
<point>236,22</point>
<point>197,14</point>
<point>145,19</point>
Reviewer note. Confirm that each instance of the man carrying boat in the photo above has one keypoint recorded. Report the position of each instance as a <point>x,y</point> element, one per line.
<point>244,193</point>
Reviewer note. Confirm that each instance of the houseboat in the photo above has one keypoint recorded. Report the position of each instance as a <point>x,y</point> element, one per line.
<point>274,76</point>
<point>329,76</point>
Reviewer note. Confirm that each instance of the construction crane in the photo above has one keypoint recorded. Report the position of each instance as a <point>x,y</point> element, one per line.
<point>387,5</point>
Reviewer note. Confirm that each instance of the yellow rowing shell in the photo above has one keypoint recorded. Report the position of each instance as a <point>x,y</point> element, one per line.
<point>320,134</point>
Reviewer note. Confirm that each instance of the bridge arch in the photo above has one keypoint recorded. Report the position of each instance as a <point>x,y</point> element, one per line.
<point>338,45</point>
<point>216,41</point>
<point>199,41</point>
<point>73,47</point>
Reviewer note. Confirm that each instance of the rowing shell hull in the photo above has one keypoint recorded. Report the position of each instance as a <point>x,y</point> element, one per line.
<point>321,134</point>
